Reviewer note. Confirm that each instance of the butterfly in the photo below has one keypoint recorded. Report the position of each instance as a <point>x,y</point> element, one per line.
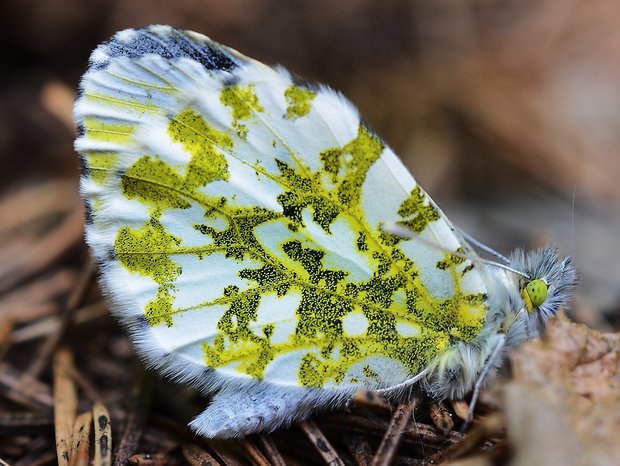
<point>262,244</point>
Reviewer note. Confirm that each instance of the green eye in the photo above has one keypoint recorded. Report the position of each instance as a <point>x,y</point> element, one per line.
<point>535,293</point>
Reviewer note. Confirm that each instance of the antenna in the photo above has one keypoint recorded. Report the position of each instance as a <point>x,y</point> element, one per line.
<point>404,232</point>
<point>484,247</point>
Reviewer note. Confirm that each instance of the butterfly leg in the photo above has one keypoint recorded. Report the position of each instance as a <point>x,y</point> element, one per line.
<point>474,398</point>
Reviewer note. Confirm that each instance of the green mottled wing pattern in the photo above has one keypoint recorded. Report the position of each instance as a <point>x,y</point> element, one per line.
<point>237,215</point>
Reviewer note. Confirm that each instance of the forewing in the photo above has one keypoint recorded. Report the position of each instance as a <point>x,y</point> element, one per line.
<point>236,213</point>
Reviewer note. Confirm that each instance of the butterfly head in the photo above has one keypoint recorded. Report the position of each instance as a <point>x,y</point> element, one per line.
<point>548,282</point>
<point>534,294</point>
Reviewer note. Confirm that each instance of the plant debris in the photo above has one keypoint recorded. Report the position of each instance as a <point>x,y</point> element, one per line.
<point>515,98</point>
<point>563,404</point>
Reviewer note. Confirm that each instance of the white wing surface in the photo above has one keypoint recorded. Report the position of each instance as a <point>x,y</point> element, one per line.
<point>236,214</point>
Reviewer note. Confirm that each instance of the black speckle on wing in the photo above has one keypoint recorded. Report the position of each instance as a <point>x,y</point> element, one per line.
<point>97,65</point>
<point>83,163</point>
<point>80,92</point>
<point>88,213</point>
<point>110,255</point>
<point>231,80</point>
<point>169,43</point>
<point>139,324</point>
<point>207,373</point>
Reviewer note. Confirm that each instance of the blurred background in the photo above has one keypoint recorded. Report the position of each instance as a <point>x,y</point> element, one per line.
<point>506,111</point>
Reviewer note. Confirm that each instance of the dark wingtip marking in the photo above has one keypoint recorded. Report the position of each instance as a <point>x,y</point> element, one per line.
<point>168,43</point>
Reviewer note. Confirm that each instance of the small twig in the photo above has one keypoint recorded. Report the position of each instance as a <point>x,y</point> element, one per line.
<point>35,448</point>
<point>416,434</point>
<point>196,456</point>
<point>40,362</point>
<point>271,451</point>
<point>41,200</point>
<point>43,458</point>
<point>29,312</point>
<point>6,327</point>
<point>487,428</point>
<point>370,399</point>
<point>103,435</point>
<point>87,276</point>
<point>359,448</point>
<point>40,291</point>
<point>80,445</point>
<point>151,459</point>
<point>47,326</point>
<point>85,385</point>
<point>320,443</point>
<point>106,368</point>
<point>25,390</point>
<point>226,456</point>
<point>409,461</point>
<point>45,251</point>
<point>427,434</point>
<point>65,405</point>
<point>134,424</point>
<point>356,423</point>
<point>24,422</point>
<point>155,439</point>
<point>391,439</point>
<point>179,431</point>
<point>254,453</point>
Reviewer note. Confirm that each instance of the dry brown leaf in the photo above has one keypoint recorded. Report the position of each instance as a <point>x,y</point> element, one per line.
<point>563,406</point>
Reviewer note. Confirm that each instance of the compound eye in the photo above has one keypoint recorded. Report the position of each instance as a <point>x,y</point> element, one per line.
<point>535,293</point>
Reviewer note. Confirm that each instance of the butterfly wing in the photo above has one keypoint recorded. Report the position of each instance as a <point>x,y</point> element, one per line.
<point>236,213</point>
